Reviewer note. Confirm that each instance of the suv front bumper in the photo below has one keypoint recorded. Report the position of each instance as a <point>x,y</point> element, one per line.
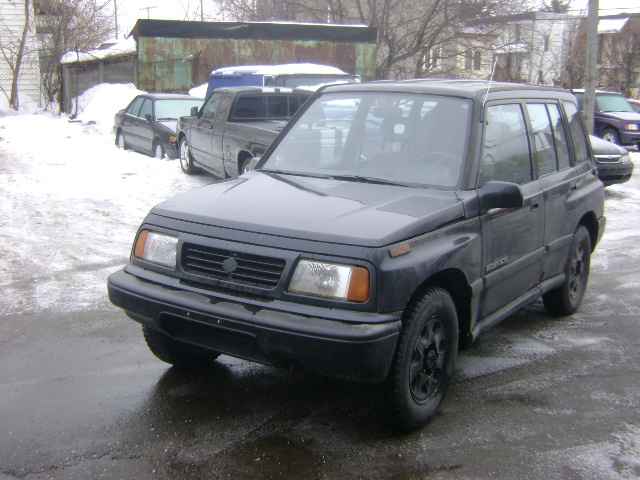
<point>353,350</point>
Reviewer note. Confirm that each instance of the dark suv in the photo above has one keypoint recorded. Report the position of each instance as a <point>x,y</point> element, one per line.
<point>388,224</point>
<point>615,119</point>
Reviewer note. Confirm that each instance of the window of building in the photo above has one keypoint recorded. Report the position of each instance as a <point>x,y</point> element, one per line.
<point>477,60</point>
<point>505,152</point>
<point>468,59</point>
<point>432,58</point>
<point>546,42</point>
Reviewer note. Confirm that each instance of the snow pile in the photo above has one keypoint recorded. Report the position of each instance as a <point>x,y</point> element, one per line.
<point>106,50</point>
<point>284,69</point>
<point>200,91</point>
<point>100,103</point>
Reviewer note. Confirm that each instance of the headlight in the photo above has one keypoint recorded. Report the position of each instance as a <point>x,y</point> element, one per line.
<point>331,281</point>
<point>625,158</point>
<point>631,126</point>
<point>156,247</point>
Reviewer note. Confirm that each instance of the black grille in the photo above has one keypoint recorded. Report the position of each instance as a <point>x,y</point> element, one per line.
<point>242,268</point>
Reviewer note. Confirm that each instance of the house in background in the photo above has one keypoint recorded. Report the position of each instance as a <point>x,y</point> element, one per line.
<point>12,23</point>
<point>529,47</point>
<point>619,53</point>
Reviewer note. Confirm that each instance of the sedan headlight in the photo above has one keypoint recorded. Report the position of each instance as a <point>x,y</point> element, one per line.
<point>331,280</point>
<point>156,247</point>
<point>631,126</point>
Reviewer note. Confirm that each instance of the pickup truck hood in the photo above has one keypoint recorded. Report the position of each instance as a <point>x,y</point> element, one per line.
<point>627,116</point>
<point>325,210</point>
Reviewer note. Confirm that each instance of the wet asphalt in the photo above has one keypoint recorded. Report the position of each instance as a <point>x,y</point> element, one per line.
<point>82,398</point>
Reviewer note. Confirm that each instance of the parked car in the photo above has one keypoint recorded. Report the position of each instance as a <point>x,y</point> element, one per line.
<point>371,243</point>
<point>613,162</point>
<point>148,124</point>
<point>615,120</point>
<point>634,103</point>
<point>233,127</point>
<point>287,75</point>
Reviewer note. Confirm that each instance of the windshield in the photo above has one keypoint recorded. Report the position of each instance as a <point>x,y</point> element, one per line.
<point>391,137</point>
<point>613,103</point>
<point>175,108</point>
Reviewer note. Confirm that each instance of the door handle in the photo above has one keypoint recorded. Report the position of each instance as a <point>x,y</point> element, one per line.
<point>574,186</point>
<point>534,205</point>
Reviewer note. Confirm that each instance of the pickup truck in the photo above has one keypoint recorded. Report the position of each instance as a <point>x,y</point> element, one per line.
<point>234,126</point>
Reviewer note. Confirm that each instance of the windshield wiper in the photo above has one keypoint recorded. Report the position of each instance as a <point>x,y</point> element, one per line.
<point>363,179</point>
<point>290,172</point>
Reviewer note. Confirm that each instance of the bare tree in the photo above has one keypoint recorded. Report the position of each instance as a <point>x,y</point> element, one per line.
<point>407,29</point>
<point>13,49</point>
<point>68,25</point>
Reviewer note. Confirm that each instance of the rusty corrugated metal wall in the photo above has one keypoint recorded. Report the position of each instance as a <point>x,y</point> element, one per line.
<point>177,64</point>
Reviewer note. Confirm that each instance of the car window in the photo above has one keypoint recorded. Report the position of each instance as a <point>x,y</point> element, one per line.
<point>612,103</point>
<point>505,153</point>
<point>544,154</point>
<point>559,135</point>
<point>396,137</point>
<point>175,108</point>
<point>277,106</point>
<point>577,132</point>
<point>211,106</point>
<point>147,108</point>
<point>249,107</point>
<point>134,107</point>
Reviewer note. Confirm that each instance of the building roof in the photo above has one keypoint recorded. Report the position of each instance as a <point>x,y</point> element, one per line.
<point>612,25</point>
<point>106,50</point>
<point>255,30</point>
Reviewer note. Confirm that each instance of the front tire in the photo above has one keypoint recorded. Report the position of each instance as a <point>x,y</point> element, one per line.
<point>610,135</point>
<point>566,299</point>
<point>174,353</point>
<point>425,359</point>
<point>120,143</point>
<point>186,160</point>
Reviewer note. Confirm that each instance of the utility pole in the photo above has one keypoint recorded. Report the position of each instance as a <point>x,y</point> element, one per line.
<point>115,15</point>
<point>591,65</point>
<point>201,11</point>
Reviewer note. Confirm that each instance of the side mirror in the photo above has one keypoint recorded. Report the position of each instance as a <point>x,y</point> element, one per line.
<point>149,118</point>
<point>496,194</point>
<point>194,111</point>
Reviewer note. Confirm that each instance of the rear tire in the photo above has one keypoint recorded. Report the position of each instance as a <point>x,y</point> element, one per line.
<point>243,165</point>
<point>175,353</point>
<point>566,299</point>
<point>158,151</point>
<point>186,160</point>
<point>425,359</point>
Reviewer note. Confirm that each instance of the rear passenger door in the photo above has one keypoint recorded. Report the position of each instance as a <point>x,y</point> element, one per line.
<point>129,121</point>
<point>559,178</point>
<point>144,127</point>
<point>512,238</point>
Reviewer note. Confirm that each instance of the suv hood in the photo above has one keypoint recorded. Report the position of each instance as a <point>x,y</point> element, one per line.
<point>325,210</point>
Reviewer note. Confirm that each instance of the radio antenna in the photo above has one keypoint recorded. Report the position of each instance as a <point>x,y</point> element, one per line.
<point>493,69</point>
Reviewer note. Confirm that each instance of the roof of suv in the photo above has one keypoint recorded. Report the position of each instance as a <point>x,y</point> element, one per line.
<point>455,87</point>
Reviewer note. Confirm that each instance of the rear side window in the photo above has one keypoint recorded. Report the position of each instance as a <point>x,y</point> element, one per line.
<point>277,106</point>
<point>544,154</point>
<point>134,107</point>
<point>562,145</point>
<point>577,132</point>
<point>249,107</point>
<point>505,153</point>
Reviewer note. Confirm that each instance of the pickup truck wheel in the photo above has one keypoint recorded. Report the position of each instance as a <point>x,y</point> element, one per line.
<point>425,359</point>
<point>186,161</point>
<point>567,298</point>
<point>610,135</point>
<point>120,143</point>
<point>174,353</point>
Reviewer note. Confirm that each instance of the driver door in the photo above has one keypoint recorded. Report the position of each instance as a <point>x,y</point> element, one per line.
<point>202,133</point>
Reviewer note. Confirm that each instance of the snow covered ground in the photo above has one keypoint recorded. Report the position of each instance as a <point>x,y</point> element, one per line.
<point>71,203</point>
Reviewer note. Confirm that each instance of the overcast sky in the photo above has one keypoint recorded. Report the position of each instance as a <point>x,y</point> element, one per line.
<point>130,10</point>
